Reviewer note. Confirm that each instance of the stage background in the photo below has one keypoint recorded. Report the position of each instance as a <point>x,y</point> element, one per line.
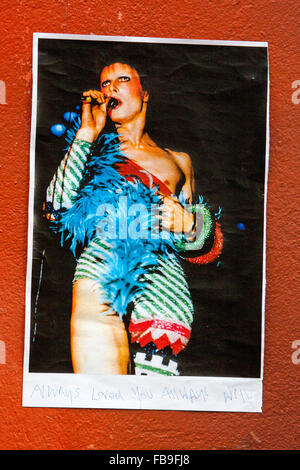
<point>276,427</point>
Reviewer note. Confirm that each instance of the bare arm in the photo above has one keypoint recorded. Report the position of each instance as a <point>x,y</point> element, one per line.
<point>175,217</point>
<point>185,163</point>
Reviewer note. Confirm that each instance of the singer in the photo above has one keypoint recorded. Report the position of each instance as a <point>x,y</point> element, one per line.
<point>132,310</point>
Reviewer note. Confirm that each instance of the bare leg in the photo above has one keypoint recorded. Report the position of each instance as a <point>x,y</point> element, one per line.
<point>99,343</point>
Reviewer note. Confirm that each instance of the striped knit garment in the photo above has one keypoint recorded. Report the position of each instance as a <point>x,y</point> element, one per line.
<point>163,313</point>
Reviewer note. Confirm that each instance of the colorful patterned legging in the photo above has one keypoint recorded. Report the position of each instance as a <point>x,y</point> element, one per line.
<point>164,312</point>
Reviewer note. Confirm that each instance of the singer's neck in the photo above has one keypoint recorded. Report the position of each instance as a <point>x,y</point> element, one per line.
<point>134,133</point>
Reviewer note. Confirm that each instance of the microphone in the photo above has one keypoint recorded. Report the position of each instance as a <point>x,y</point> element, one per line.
<point>112,102</point>
<point>87,99</point>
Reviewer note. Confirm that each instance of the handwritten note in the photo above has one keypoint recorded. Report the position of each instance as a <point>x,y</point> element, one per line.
<point>184,393</point>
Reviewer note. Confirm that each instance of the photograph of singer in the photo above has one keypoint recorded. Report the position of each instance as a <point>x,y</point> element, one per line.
<point>163,312</point>
<point>139,303</point>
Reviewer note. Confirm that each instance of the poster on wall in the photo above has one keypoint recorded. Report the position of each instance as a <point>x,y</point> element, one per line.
<point>146,236</point>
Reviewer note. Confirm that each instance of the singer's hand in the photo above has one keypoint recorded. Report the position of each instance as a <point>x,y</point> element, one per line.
<point>93,115</point>
<point>174,217</point>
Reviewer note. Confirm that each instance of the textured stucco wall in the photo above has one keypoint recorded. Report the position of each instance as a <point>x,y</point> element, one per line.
<point>275,21</point>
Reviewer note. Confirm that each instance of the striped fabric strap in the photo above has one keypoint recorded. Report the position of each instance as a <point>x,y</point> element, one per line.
<point>206,221</point>
<point>65,183</point>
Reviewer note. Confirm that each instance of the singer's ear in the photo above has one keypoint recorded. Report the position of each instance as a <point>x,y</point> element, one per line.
<point>146,97</point>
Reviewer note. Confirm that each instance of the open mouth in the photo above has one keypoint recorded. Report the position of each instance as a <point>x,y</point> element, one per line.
<point>113,103</point>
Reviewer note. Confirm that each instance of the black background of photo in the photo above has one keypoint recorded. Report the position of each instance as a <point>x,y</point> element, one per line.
<point>208,101</point>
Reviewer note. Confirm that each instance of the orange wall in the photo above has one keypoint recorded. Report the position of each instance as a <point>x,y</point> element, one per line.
<point>275,21</point>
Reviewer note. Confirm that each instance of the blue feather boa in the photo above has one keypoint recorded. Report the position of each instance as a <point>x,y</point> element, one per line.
<point>106,207</point>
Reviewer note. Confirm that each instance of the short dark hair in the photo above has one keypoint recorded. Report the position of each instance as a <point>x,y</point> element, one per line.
<point>138,62</point>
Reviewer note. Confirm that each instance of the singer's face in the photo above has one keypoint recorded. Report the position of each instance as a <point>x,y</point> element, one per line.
<point>122,82</point>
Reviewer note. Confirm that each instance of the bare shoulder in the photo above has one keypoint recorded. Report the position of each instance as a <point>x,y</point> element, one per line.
<point>183,160</point>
